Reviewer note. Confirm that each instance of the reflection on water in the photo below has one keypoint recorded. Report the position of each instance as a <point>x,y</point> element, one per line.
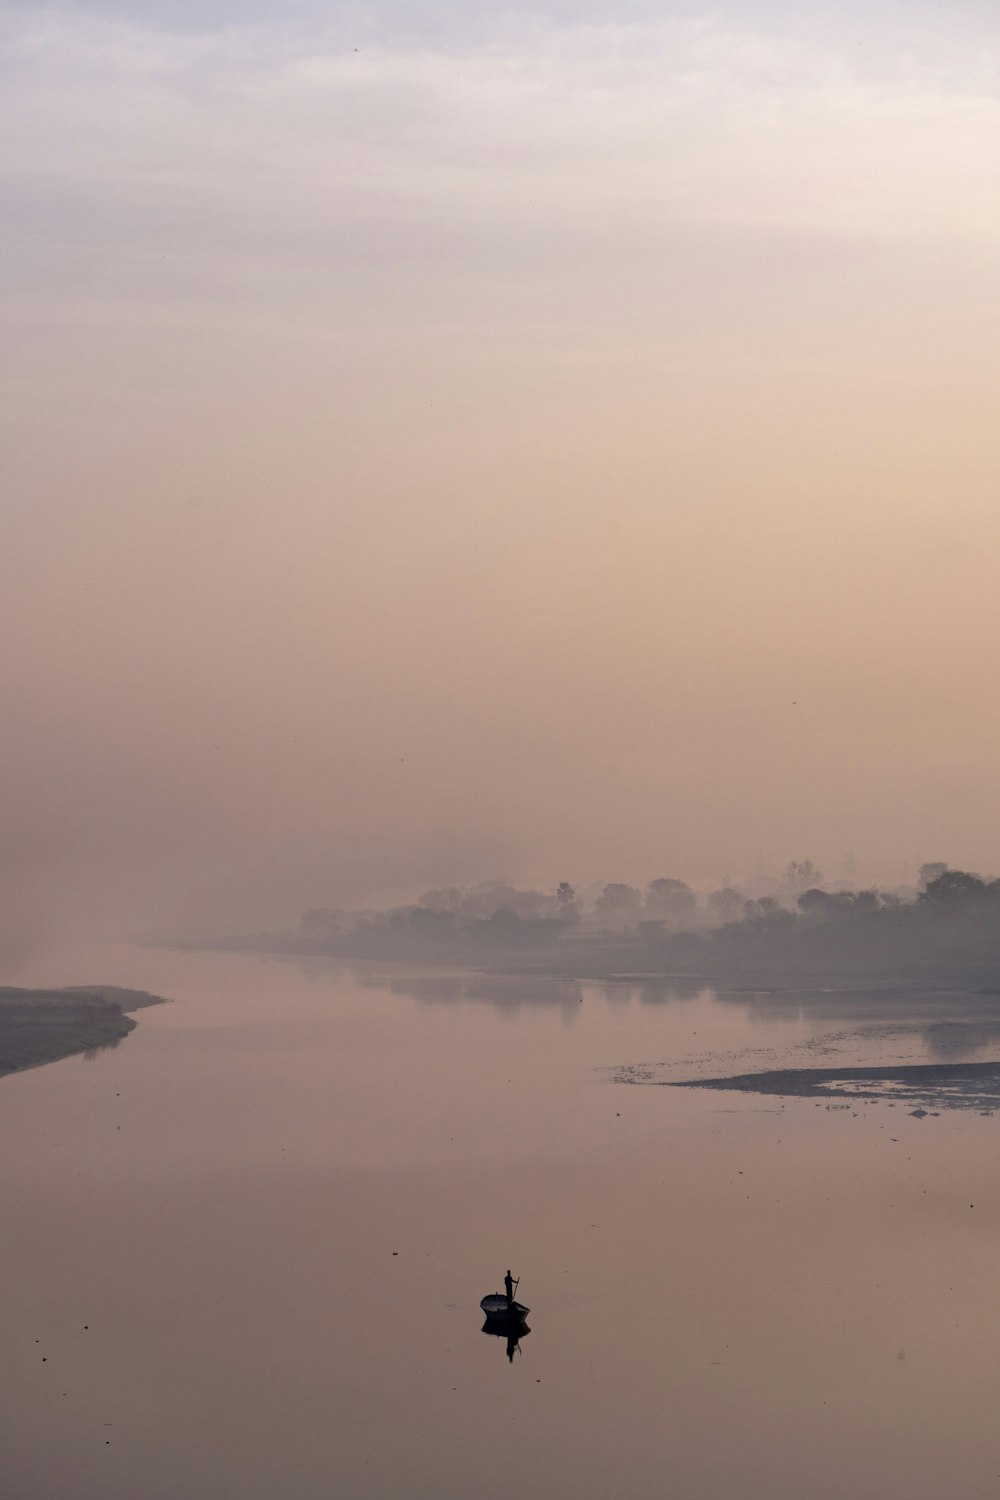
<point>655,991</point>
<point>957,1041</point>
<point>507,990</point>
<point>513,990</point>
<point>511,1335</point>
<point>883,1005</point>
<point>108,1045</point>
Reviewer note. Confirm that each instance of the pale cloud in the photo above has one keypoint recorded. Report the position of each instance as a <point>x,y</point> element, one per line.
<point>642,126</point>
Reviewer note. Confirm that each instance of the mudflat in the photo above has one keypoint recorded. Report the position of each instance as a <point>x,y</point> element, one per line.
<point>929,1086</point>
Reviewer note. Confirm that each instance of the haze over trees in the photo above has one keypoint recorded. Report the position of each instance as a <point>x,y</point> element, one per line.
<point>945,929</point>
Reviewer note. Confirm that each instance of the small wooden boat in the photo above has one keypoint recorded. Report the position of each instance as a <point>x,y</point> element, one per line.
<point>499,1310</point>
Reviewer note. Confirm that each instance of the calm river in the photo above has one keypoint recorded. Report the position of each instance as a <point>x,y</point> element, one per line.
<point>242,1254</point>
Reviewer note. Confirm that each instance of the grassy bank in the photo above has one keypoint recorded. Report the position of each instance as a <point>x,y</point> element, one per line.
<point>40,1026</point>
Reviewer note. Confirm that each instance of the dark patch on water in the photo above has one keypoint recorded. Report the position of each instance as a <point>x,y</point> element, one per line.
<point>926,1086</point>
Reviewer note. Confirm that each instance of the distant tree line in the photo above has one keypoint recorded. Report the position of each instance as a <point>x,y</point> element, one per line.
<point>949,922</point>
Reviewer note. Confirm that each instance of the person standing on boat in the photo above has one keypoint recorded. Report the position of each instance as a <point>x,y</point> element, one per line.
<point>508,1286</point>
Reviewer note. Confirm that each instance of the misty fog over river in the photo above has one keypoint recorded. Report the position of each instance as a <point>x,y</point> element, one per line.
<point>243,1252</point>
<point>498,558</point>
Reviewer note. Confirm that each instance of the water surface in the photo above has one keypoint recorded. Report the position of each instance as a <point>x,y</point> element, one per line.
<point>243,1253</point>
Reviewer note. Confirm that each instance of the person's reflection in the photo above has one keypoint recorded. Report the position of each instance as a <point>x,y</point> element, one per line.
<point>513,1335</point>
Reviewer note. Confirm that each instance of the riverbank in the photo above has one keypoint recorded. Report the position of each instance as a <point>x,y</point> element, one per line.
<point>40,1026</point>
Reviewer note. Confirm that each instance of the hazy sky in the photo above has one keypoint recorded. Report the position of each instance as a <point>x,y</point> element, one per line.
<point>445,440</point>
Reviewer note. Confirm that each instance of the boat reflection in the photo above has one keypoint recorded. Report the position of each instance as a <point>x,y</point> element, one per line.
<point>512,1332</point>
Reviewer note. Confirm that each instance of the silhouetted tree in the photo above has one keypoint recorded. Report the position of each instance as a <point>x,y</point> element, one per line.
<point>726,904</point>
<point>421,922</point>
<point>618,904</point>
<point>506,928</point>
<point>762,909</point>
<point>955,888</point>
<point>569,911</point>
<point>447,898</point>
<point>672,901</point>
<point>821,906</point>
<point>829,906</point>
<point>479,902</point>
